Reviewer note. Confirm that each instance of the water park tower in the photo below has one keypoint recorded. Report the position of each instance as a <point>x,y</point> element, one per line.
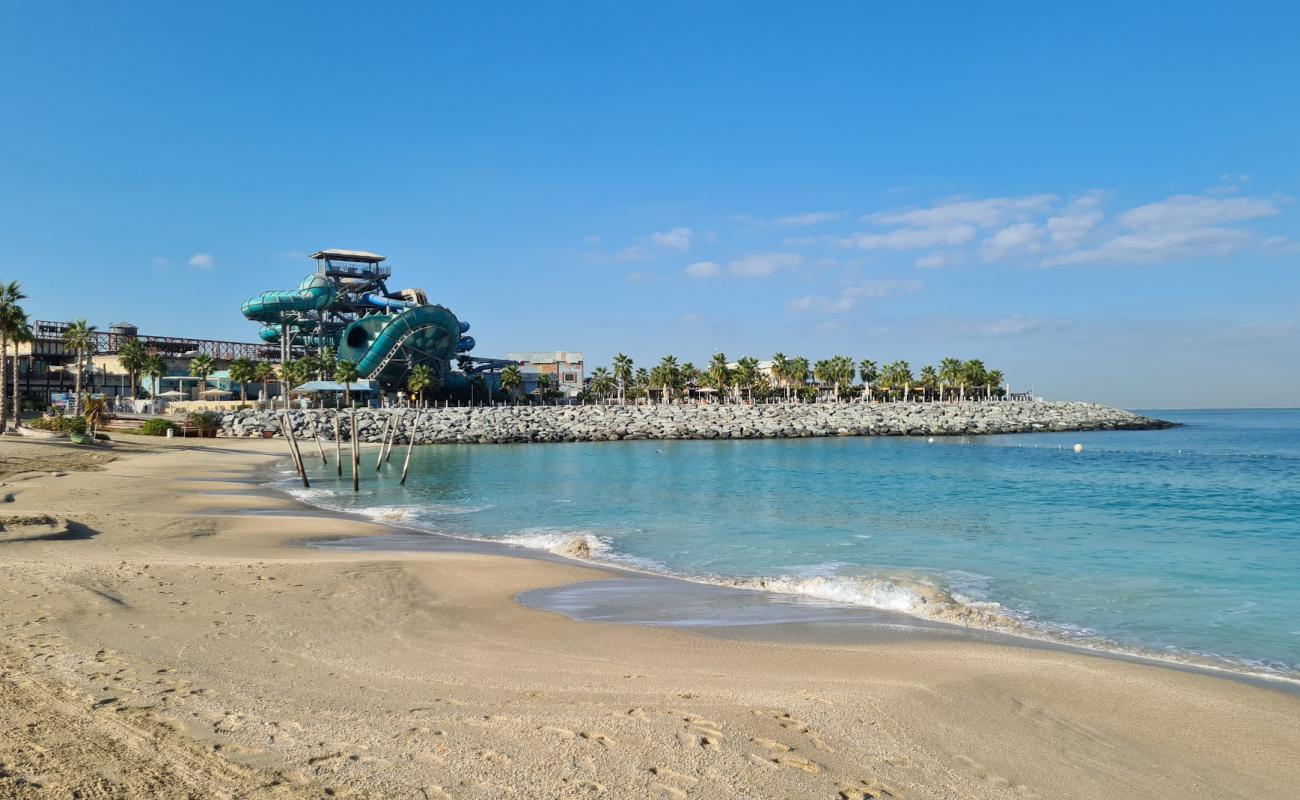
<point>346,305</point>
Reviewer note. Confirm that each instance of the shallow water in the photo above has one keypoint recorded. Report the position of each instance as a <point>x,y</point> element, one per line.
<point>1182,542</point>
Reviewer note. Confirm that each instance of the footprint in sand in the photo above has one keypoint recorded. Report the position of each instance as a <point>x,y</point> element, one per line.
<point>563,733</point>
<point>798,762</point>
<point>599,738</point>
<point>666,774</point>
<point>863,790</point>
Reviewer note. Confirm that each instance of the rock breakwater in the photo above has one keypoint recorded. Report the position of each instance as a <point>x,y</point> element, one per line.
<point>502,424</point>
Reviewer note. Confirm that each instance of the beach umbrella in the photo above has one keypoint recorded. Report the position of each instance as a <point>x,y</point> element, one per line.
<point>172,394</point>
<point>215,393</point>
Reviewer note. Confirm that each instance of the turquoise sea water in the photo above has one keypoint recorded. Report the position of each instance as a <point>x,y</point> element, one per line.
<point>1182,542</point>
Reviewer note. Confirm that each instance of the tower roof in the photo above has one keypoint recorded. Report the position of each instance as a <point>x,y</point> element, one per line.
<point>348,255</point>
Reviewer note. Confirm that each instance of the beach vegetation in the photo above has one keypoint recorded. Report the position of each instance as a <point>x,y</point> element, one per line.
<point>201,368</point>
<point>156,427</point>
<point>345,372</point>
<point>80,338</point>
<point>512,380</point>
<point>14,329</point>
<point>132,355</point>
<point>242,372</point>
<point>155,366</point>
<point>419,380</point>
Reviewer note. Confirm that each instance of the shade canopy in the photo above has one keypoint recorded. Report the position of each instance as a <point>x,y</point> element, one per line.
<point>316,387</point>
<point>173,393</point>
<point>216,392</point>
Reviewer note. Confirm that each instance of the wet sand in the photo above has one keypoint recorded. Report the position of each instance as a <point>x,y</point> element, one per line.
<point>157,644</point>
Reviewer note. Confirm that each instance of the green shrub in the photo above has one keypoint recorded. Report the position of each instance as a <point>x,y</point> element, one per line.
<point>103,437</point>
<point>156,427</point>
<point>60,424</point>
<point>203,420</point>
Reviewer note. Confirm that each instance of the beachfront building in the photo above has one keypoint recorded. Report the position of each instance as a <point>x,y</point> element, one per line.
<point>47,369</point>
<point>563,368</point>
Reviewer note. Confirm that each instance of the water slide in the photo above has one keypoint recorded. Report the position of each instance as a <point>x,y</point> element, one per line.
<point>375,342</point>
<point>384,335</point>
<point>315,293</point>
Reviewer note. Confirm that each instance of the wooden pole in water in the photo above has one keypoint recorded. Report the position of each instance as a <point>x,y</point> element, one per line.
<point>338,442</point>
<point>356,454</point>
<point>406,465</point>
<point>392,438</point>
<point>320,447</point>
<point>383,439</point>
<point>295,452</point>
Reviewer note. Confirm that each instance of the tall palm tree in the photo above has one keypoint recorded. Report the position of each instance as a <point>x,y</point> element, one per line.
<point>543,385</point>
<point>869,372</point>
<point>80,338</point>
<point>824,373</point>
<point>668,374</point>
<point>973,373</point>
<point>641,382</point>
<point>10,312</point>
<point>929,378</point>
<point>798,372</point>
<point>690,377</point>
<point>602,383</point>
<point>512,379</point>
<point>746,375</point>
<point>242,372</point>
<point>155,366</point>
<point>20,332</point>
<point>131,356</point>
<point>900,374</point>
<point>781,371</point>
<point>995,379</point>
<point>622,374</point>
<point>345,372</point>
<point>419,379</point>
<point>950,374</point>
<point>719,374</point>
<point>264,373</point>
<point>201,368</point>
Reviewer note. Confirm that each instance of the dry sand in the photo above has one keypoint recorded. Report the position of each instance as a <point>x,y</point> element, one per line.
<point>156,645</point>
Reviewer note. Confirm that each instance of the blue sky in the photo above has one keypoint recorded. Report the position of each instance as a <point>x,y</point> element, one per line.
<point>1099,201</point>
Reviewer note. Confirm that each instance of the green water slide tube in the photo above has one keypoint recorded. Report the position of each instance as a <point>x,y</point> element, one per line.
<point>385,346</point>
<point>315,293</point>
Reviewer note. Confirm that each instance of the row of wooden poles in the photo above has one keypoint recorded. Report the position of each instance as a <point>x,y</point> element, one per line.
<point>386,440</point>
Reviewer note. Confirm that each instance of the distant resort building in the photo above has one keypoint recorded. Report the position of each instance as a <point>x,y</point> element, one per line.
<point>564,370</point>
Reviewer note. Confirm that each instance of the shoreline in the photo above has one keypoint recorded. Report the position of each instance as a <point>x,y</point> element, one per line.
<point>865,618</point>
<point>280,670</point>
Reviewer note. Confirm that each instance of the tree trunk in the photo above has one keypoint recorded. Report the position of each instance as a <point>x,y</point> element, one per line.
<point>4,357</point>
<point>18,412</point>
<point>76,400</point>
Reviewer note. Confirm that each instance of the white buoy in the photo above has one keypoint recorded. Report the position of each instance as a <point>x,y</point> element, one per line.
<point>930,440</point>
<point>1078,448</point>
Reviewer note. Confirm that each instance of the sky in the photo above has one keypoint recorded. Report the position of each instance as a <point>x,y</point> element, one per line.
<point>1100,201</point>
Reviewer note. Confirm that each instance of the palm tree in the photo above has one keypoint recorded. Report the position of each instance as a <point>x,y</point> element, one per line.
<point>602,383</point>
<point>131,356</point>
<point>326,361</point>
<point>345,372</point>
<point>512,379</point>
<point>781,371</point>
<point>950,374</point>
<point>10,312</point>
<point>80,338</point>
<point>746,375</point>
<point>622,374</point>
<point>201,368</point>
<point>264,373</point>
<point>242,371</point>
<point>20,332</point>
<point>798,372</point>
<point>823,372</point>
<point>667,375</point>
<point>155,366</point>
<point>929,378</point>
<point>719,374</point>
<point>899,373</point>
<point>995,378</point>
<point>869,372</point>
<point>690,377</point>
<point>641,382</point>
<point>420,379</point>
<point>973,373</point>
<point>543,385</point>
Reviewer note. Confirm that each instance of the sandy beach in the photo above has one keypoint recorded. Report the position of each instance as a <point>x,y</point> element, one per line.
<point>160,641</point>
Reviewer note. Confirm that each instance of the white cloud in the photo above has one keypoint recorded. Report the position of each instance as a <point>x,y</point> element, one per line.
<point>633,252</point>
<point>850,296</point>
<point>202,261</point>
<point>677,238</point>
<point>936,260</point>
<point>1191,211</point>
<point>1153,246</point>
<point>703,269</point>
<point>1069,228</point>
<point>810,218</point>
<point>915,238</point>
<point>1019,239</point>
<point>987,213</point>
<point>1280,244</point>
<point>761,265</point>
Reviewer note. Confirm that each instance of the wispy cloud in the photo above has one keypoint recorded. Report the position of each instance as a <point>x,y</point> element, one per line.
<point>915,238</point>
<point>676,239</point>
<point>849,297</point>
<point>703,269</point>
<point>1020,238</point>
<point>986,213</point>
<point>202,261</point>
<point>761,265</point>
<point>810,218</point>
